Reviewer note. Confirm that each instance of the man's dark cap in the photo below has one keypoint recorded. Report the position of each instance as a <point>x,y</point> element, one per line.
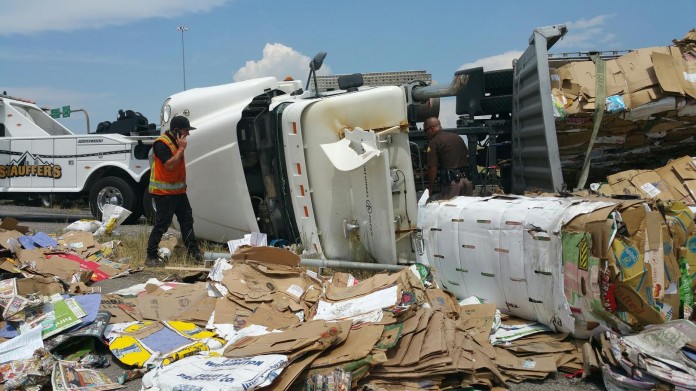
<point>180,122</point>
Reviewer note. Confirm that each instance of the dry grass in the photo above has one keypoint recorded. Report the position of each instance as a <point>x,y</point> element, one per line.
<point>134,248</point>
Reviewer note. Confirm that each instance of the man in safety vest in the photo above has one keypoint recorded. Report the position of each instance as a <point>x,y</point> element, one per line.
<point>168,189</point>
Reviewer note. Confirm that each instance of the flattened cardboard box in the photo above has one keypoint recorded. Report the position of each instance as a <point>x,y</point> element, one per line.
<point>266,315</point>
<point>122,309</point>
<point>11,224</point>
<point>293,342</point>
<point>365,287</point>
<point>45,286</point>
<point>675,185</point>
<point>169,305</point>
<point>358,345</point>
<point>638,69</point>
<point>268,255</point>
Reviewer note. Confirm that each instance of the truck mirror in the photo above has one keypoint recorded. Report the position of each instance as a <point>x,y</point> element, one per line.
<point>318,61</point>
<point>314,65</point>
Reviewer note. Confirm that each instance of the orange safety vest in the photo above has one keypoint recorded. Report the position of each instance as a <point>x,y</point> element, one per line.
<point>163,181</point>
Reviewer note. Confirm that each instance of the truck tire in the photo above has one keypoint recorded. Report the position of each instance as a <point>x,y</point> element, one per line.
<point>49,200</point>
<point>116,191</point>
<point>149,209</point>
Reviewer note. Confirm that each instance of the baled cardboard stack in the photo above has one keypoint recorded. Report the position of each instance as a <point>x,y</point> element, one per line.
<point>573,264</point>
<point>655,122</point>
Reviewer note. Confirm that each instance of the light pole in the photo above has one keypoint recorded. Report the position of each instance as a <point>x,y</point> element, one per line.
<point>183,56</point>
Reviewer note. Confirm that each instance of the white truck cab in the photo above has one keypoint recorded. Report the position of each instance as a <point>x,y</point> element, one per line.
<point>40,158</point>
<point>330,172</point>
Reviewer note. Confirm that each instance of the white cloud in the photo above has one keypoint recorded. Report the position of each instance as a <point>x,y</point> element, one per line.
<point>583,34</point>
<point>587,34</point>
<point>492,63</point>
<point>279,61</point>
<point>583,23</point>
<point>33,16</point>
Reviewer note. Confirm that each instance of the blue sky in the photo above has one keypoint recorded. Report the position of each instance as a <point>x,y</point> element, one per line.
<point>107,55</point>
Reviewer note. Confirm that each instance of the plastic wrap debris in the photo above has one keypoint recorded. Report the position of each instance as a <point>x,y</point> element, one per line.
<point>93,330</point>
<point>112,217</point>
<point>218,373</point>
<point>364,308</point>
<point>21,347</point>
<point>164,253</point>
<point>507,333</point>
<point>615,104</point>
<point>131,374</point>
<point>84,226</point>
<point>650,359</point>
<point>254,239</point>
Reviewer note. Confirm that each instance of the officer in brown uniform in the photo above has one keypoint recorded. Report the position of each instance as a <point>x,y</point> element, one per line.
<point>448,163</point>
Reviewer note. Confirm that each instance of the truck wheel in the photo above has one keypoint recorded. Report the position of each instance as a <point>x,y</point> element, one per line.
<point>116,191</point>
<point>149,208</point>
<point>47,200</point>
<point>52,199</point>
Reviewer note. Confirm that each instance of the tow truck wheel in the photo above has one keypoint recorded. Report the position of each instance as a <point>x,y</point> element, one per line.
<point>47,200</point>
<point>116,191</point>
<point>149,208</point>
<point>52,199</point>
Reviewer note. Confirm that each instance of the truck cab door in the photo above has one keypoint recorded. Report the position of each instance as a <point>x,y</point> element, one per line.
<point>65,162</point>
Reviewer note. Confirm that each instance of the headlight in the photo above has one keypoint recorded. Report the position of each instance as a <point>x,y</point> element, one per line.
<point>166,113</point>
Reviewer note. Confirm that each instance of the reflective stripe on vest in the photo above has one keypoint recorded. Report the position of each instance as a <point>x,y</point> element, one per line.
<point>163,181</point>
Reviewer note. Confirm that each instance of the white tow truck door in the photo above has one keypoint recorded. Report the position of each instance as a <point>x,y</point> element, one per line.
<point>65,158</point>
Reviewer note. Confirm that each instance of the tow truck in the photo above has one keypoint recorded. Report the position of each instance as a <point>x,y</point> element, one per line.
<point>42,159</point>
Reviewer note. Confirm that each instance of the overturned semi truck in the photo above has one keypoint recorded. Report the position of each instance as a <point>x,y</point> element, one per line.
<point>334,170</point>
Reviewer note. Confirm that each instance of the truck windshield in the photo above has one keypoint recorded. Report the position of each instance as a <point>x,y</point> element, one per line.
<point>42,120</point>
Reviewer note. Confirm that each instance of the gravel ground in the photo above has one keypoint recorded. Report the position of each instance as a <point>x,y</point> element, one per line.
<point>58,218</point>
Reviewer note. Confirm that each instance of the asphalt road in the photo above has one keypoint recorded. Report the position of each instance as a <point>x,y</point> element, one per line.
<point>54,220</point>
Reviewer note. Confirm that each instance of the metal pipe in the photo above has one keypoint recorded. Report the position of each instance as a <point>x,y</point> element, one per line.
<point>328,263</point>
<point>423,93</point>
<point>183,53</point>
<point>86,117</point>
